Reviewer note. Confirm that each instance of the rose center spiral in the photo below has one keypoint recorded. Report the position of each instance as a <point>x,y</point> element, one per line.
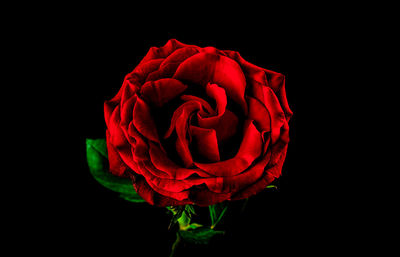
<point>201,126</point>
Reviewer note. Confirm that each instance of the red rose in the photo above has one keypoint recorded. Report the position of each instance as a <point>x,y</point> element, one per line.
<point>194,125</point>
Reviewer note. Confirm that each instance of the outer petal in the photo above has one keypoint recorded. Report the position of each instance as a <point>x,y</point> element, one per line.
<point>259,113</point>
<point>161,91</point>
<point>270,174</point>
<point>217,188</point>
<point>117,166</point>
<point>127,111</point>
<point>232,184</point>
<point>110,105</point>
<point>161,161</point>
<point>277,149</point>
<point>117,137</point>
<point>257,76</point>
<point>162,52</point>
<point>275,111</point>
<point>205,198</point>
<point>171,63</point>
<point>140,148</point>
<point>180,55</point>
<point>277,84</point>
<point>119,142</point>
<point>166,187</point>
<point>139,74</point>
<point>143,121</point>
<point>154,198</point>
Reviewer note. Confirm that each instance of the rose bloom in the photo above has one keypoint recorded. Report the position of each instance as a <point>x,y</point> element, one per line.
<point>194,125</point>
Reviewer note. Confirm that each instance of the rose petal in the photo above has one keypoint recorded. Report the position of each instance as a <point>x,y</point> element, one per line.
<point>212,50</point>
<point>281,143</point>
<point>227,126</point>
<point>139,74</point>
<point>154,198</point>
<point>204,68</point>
<point>270,174</point>
<point>259,113</point>
<point>179,189</point>
<point>249,150</point>
<point>204,198</point>
<point>225,122</point>
<point>117,166</point>
<point>207,110</point>
<point>219,95</point>
<point>229,75</point>
<point>140,149</point>
<point>255,188</point>
<point>179,121</point>
<point>206,143</point>
<point>257,76</point>
<point>198,69</point>
<point>162,52</point>
<point>182,143</point>
<point>281,94</point>
<point>267,140</point>
<point>160,161</point>
<point>161,91</point>
<point>190,107</point>
<point>110,105</point>
<point>232,184</point>
<point>165,187</point>
<point>180,55</point>
<point>143,120</point>
<point>171,63</point>
<point>277,116</point>
<point>166,184</point>
<point>120,143</point>
<point>117,137</point>
<point>127,110</point>
<point>128,91</point>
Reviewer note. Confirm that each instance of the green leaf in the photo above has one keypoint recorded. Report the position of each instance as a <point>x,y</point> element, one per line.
<point>135,198</point>
<point>217,211</point>
<point>97,158</point>
<point>271,186</point>
<point>182,214</point>
<point>200,235</point>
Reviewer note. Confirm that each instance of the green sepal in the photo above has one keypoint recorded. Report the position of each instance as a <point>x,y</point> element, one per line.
<point>199,235</point>
<point>217,211</point>
<point>189,210</point>
<point>177,212</point>
<point>182,214</point>
<point>271,187</point>
<point>97,159</point>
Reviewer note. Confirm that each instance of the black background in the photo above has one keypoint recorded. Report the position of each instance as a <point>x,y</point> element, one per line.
<point>86,59</point>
